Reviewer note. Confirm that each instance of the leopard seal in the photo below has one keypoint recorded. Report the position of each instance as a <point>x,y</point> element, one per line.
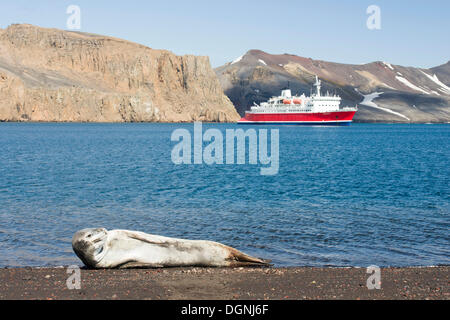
<point>99,248</point>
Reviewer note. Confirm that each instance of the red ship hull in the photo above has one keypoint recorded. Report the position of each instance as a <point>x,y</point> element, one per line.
<point>323,118</point>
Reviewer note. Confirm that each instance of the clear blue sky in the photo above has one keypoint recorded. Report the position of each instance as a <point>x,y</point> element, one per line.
<point>413,33</point>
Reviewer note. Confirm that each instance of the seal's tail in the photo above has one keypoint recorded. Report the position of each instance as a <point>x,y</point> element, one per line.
<point>240,259</point>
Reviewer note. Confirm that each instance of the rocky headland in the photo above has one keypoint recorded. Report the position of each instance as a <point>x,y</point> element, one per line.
<point>64,76</point>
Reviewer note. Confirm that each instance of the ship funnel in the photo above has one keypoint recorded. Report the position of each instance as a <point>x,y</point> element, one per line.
<point>286,93</point>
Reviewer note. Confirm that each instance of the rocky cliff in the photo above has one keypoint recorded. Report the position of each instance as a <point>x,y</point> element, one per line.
<point>54,75</point>
<point>382,91</point>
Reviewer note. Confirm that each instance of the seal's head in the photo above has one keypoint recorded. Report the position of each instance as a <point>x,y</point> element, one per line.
<point>90,245</point>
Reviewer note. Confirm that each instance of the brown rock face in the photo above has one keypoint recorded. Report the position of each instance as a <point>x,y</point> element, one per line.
<point>54,75</point>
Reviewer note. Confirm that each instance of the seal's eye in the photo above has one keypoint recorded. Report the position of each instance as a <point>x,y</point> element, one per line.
<point>89,235</point>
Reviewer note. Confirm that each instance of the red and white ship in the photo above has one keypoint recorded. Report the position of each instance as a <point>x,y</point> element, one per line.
<point>287,109</point>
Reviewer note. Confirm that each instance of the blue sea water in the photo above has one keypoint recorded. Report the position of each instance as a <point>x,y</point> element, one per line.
<point>344,196</point>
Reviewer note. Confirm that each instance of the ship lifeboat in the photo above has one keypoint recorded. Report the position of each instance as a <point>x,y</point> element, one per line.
<point>294,101</point>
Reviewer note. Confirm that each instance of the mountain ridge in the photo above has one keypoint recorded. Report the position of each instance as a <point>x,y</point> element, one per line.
<point>406,94</point>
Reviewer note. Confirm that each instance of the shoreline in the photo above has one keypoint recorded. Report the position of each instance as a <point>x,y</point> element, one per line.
<point>195,283</point>
<point>211,122</point>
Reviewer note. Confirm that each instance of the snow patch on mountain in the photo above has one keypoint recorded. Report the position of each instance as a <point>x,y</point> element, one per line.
<point>237,60</point>
<point>368,101</point>
<point>388,65</point>
<point>436,80</point>
<point>409,84</point>
<point>263,62</point>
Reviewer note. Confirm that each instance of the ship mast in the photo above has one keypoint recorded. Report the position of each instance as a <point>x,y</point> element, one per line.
<point>317,85</point>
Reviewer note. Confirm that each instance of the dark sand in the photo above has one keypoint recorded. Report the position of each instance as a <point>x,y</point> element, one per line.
<point>239,283</point>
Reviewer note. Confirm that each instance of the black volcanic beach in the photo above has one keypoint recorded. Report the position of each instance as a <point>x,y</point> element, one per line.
<point>425,283</point>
